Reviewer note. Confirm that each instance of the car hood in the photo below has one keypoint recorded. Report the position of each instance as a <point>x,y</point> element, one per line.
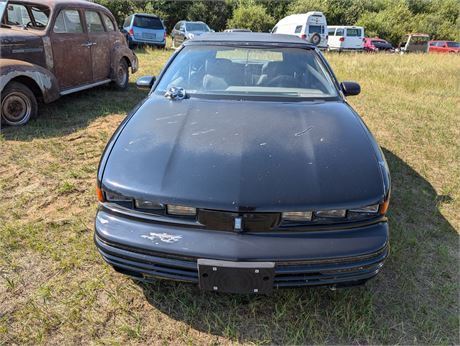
<point>246,155</point>
<point>18,36</point>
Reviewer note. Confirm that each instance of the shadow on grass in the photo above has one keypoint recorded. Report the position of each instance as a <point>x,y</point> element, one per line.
<point>76,111</point>
<point>413,299</point>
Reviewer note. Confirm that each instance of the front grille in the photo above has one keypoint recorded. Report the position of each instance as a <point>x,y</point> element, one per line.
<point>148,266</point>
<point>218,220</point>
<point>225,221</point>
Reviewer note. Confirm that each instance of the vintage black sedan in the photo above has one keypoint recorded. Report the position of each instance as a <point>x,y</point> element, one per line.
<point>245,169</point>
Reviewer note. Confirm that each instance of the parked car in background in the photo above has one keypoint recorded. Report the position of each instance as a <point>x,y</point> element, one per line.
<point>310,26</point>
<point>245,169</point>
<point>342,38</point>
<point>145,29</point>
<point>414,43</point>
<point>237,30</point>
<point>441,46</point>
<point>376,44</point>
<point>53,48</point>
<point>186,30</point>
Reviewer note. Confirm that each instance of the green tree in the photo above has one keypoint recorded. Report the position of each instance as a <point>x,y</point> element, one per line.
<point>392,23</point>
<point>252,17</point>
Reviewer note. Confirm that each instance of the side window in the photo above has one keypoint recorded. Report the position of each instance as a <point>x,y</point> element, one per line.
<point>298,29</point>
<point>331,32</point>
<point>93,22</point>
<point>274,29</point>
<point>177,27</point>
<point>339,32</point>
<point>17,14</point>
<point>108,23</point>
<point>68,22</point>
<point>354,32</point>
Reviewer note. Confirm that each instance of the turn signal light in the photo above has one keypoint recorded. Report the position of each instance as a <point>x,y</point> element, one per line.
<point>99,194</point>
<point>384,206</point>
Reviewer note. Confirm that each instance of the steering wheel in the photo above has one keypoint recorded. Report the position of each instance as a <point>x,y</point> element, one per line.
<point>37,24</point>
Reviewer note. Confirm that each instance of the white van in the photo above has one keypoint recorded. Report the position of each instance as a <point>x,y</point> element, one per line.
<point>345,37</point>
<point>310,26</point>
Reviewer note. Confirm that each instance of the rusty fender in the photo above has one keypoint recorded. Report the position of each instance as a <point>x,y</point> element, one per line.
<point>11,69</point>
<point>119,52</point>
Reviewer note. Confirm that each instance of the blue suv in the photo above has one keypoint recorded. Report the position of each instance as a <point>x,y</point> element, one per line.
<point>145,29</point>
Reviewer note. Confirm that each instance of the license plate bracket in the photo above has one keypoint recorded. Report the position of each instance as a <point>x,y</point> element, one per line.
<point>236,277</point>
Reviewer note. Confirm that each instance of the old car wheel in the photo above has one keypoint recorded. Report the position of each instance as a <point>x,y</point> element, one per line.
<point>122,75</point>
<point>18,104</point>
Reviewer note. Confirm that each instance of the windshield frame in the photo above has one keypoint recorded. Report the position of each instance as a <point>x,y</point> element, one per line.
<point>321,59</point>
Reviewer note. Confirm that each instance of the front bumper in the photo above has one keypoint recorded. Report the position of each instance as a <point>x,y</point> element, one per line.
<point>148,251</point>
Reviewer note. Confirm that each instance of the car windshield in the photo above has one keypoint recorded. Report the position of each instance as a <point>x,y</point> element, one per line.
<point>453,44</point>
<point>147,22</point>
<point>191,27</point>
<point>30,16</point>
<point>218,70</point>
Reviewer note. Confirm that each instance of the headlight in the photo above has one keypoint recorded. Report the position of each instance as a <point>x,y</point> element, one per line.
<point>142,204</point>
<point>334,213</point>
<point>297,216</point>
<point>371,209</point>
<point>180,210</point>
<point>115,197</point>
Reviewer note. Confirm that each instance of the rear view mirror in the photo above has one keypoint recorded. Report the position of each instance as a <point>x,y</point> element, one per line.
<point>145,82</point>
<point>350,88</point>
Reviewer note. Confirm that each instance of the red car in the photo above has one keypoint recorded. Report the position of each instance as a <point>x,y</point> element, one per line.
<point>376,45</point>
<point>439,46</point>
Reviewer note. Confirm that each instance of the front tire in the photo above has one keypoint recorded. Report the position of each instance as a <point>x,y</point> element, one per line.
<point>122,75</point>
<point>19,104</point>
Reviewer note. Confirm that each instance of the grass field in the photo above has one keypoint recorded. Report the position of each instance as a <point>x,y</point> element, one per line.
<point>55,288</point>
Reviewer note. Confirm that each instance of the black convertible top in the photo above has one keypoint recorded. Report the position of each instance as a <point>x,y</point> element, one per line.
<point>248,38</point>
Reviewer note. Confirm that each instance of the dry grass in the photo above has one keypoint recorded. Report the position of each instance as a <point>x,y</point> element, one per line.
<point>55,289</point>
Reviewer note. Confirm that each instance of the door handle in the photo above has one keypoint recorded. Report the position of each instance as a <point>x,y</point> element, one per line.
<point>88,44</point>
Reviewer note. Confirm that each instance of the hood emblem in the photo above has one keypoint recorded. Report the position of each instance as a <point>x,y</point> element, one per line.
<point>238,224</point>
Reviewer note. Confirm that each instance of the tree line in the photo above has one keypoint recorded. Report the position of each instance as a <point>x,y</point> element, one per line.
<point>388,19</point>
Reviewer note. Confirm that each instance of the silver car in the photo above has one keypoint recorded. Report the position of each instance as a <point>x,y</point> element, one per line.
<point>185,30</point>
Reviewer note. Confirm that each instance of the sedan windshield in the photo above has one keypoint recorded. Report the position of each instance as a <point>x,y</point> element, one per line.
<point>285,72</point>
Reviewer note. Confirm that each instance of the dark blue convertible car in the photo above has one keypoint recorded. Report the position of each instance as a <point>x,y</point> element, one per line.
<point>245,169</point>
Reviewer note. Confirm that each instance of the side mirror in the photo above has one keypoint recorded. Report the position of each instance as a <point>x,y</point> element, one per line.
<point>350,88</point>
<point>145,82</point>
